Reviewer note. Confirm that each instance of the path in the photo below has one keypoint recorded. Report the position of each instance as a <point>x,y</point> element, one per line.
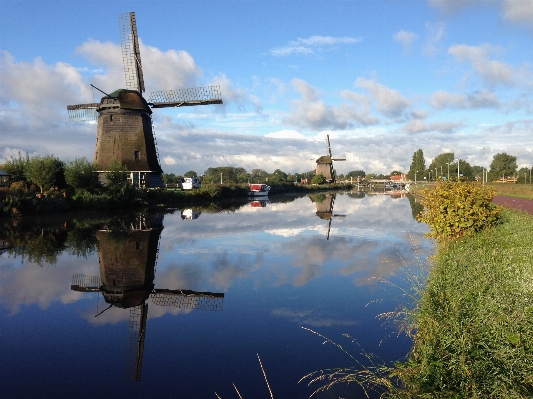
<point>522,204</point>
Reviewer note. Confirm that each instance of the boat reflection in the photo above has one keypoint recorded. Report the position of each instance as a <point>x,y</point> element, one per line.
<point>324,209</point>
<point>259,203</point>
<point>127,261</point>
<point>190,214</point>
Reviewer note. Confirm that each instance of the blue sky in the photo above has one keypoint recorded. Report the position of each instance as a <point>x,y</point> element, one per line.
<point>382,78</point>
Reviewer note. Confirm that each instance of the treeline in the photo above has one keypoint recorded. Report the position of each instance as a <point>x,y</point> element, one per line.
<point>445,166</point>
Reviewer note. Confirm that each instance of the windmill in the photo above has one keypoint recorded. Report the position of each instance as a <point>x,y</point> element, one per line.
<point>324,210</point>
<point>125,130</point>
<point>127,270</point>
<point>324,164</point>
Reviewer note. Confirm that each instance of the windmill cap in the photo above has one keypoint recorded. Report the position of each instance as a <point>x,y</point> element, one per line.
<point>127,99</point>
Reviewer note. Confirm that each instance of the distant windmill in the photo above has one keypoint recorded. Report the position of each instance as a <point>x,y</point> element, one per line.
<point>324,164</point>
<point>324,210</point>
<point>127,270</point>
<point>125,129</point>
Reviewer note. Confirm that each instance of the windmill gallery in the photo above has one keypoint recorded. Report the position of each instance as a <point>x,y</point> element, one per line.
<point>125,130</point>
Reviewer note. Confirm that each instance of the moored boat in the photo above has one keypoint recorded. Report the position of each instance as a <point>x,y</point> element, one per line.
<point>258,190</point>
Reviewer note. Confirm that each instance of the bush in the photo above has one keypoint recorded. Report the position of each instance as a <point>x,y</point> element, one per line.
<point>456,209</point>
<point>318,179</point>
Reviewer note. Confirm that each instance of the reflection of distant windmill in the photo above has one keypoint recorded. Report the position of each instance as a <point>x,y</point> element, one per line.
<point>324,210</point>
<point>127,270</point>
<point>125,130</point>
<point>324,164</point>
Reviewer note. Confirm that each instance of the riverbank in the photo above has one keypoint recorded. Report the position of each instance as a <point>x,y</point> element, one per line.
<point>19,201</point>
<point>473,326</point>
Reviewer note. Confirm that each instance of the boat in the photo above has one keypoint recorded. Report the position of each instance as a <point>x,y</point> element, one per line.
<point>258,190</point>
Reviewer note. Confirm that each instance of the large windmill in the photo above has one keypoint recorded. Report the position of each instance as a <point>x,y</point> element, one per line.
<point>125,130</point>
<point>324,164</point>
<point>127,270</point>
<point>324,210</point>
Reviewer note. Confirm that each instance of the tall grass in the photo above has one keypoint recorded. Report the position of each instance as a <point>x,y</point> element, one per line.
<point>474,324</point>
<point>513,190</point>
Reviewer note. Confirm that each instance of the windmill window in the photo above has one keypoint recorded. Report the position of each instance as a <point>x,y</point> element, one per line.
<point>110,118</point>
<point>137,155</point>
<point>138,245</point>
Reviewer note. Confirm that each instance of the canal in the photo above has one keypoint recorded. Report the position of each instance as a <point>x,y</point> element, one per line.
<point>180,304</point>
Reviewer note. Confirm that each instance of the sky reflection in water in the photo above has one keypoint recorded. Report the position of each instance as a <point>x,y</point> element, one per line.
<point>277,270</point>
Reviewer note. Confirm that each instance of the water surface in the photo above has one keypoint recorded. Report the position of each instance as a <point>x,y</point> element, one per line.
<point>220,287</point>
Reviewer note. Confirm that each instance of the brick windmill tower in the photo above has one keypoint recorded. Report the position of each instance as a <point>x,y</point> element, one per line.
<point>125,129</point>
<point>324,164</point>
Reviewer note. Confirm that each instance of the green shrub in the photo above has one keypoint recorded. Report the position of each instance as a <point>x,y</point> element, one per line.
<point>456,209</point>
<point>318,179</point>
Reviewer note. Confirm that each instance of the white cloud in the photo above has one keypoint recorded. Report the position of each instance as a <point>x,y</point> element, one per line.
<point>491,72</point>
<point>286,134</point>
<point>434,35</point>
<point>389,102</point>
<point>311,44</point>
<point>454,6</point>
<point>419,126</point>
<point>518,10</point>
<point>480,99</point>
<point>405,39</point>
<point>168,160</point>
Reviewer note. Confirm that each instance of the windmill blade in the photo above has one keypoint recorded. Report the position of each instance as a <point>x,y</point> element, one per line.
<point>329,146</point>
<point>131,55</point>
<point>83,283</point>
<point>186,97</point>
<point>135,344</point>
<point>82,112</point>
<point>187,299</point>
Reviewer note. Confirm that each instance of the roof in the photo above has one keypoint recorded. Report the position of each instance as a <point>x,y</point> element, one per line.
<point>2,173</point>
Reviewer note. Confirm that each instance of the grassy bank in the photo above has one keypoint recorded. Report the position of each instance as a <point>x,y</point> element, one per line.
<point>513,190</point>
<point>474,323</point>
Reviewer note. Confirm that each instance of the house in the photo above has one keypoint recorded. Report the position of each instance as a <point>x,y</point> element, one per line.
<point>5,178</point>
<point>399,178</point>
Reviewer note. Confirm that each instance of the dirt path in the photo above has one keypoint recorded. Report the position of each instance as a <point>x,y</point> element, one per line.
<point>522,204</point>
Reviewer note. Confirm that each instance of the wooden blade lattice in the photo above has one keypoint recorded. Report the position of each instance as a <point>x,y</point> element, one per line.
<point>186,299</point>
<point>186,97</point>
<point>131,55</point>
<point>135,344</point>
<point>83,283</point>
<point>82,112</point>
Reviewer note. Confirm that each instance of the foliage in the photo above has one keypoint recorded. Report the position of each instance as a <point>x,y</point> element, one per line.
<point>118,188</point>
<point>502,164</point>
<point>418,165</point>
<point>171,178</point>
<point>473,327</point>
<point>42,171</point>
<point>524,175</point>
<point>81,174</point>
<point>277,177</point>
<point>318,179</point>
<point>190,173</point>
<point>356,173</point>
<point>453,210</point>
<point>15,167</point>
<point>226,173</point>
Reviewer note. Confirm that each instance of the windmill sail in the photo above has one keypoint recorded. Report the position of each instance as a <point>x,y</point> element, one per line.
<point>136,336</point>
<point>131,55</point>
<point>82,112</point>
<point>186,97</point>
<point>187,299</point>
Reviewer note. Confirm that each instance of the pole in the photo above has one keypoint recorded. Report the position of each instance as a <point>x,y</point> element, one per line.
<point>221,178</point>
<point>458,163</point>
<point>415,178</point>
<point>448,177</point>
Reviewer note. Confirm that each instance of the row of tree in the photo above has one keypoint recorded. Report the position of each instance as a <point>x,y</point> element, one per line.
<point>446,166</point>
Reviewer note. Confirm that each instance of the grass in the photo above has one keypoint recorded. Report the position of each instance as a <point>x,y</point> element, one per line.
<point>513,190</point>
<point>474,324</point>
<point>471,323</point>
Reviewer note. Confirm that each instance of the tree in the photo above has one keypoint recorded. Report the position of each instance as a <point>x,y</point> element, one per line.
<point>170,178</point>
<point>81,174</point>
<point>117,178</point>
<point>42,171</point>
<point>318,179</point>
<point>190,173</point>
<point>278,177</point>
<point>15,167</point>
<point>356,173</point>
<point>418,165</point>
<point>523,175</point>
<point>502,165</point>
<point>440,162</point>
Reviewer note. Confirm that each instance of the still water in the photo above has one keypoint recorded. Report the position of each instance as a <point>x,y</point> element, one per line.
<point>179,304</point>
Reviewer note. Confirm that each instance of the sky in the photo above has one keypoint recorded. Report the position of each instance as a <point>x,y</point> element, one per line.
<point>382,78</point>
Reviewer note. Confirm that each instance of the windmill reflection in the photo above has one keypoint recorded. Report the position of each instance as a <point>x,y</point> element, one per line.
<point>127,269</point>
<point>324,208</point>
